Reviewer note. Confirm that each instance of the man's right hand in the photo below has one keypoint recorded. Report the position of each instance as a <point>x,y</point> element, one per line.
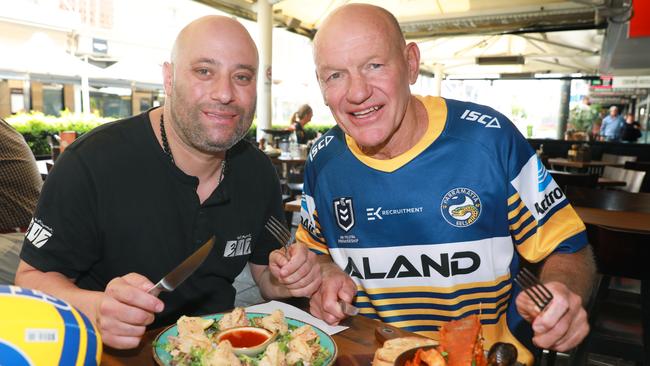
<point>124,310</point>
<point>336,285</point>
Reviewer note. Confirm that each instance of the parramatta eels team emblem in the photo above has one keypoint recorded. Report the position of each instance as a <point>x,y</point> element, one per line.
<point>461,207</point>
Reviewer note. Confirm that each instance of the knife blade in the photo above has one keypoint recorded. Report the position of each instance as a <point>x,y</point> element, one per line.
<point>185,269</point>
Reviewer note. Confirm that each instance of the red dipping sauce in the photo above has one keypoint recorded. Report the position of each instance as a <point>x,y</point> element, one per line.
<point>241,338</point>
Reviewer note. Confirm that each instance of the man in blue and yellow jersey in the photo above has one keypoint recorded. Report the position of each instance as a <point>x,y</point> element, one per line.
<point>422,208</point>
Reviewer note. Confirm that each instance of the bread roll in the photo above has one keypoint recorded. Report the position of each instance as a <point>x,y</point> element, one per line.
<point>386,355</point>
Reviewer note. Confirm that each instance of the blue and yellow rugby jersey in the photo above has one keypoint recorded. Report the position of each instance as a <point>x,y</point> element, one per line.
<point>435,234</point>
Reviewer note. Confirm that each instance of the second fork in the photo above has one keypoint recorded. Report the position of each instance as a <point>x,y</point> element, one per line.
<point>279,232</point>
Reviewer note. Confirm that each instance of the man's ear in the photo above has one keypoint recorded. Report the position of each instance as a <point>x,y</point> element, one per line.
<point>413,61</point>
<point>168,77</point>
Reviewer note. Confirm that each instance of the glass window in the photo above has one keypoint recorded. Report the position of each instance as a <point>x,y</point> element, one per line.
<point>17,101</point>
<point>52,99</point>
<point>110,105</point>
<point>532,105</point>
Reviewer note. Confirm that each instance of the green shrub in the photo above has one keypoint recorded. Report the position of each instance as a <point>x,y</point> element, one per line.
<point>310,131</point>
<point>36,126</point>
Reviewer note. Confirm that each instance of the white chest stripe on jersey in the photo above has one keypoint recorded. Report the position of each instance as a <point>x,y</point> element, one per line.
<point>447,265</point>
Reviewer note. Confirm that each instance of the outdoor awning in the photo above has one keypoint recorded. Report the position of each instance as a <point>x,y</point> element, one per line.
<point>41,56</point>
<point>547,36</point>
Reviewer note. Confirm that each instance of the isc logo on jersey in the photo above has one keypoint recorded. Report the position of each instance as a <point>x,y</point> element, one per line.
<point>37,329</point>
<point>484,119</point>
<point>318,146</point>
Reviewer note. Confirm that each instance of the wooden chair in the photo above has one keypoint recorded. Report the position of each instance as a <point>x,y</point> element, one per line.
<point>643,166</point>
<point>616,318</point>
<point>620,159</point>
<point>614,173</point>
<point>634,179</point>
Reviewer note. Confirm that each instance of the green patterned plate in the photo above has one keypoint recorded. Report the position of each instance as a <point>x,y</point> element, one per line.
<point>163,358</point>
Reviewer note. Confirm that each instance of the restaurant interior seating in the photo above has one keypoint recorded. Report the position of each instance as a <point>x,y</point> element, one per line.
<point>634,178</point>
<point>615,313</point>
<point>564,179</point>
<point>642,166</point>
<point>620,159</point>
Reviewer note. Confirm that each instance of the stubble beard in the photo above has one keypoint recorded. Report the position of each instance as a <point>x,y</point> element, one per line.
<point>187,117</point>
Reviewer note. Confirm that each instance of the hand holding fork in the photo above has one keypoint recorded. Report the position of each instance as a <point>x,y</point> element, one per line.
<point>294,266</point>
<point>535,290</point>
<point>283,235</point>
<point>558,320</point>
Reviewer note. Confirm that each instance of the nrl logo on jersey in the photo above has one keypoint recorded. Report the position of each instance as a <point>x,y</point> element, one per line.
<point>344,213</point>
<point>484,119</point>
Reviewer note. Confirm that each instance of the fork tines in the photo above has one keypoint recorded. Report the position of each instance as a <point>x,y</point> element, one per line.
<point>279,232</point>
<point>537,292</point>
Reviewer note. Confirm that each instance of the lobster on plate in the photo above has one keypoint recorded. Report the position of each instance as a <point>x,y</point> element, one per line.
<point>461,344</point>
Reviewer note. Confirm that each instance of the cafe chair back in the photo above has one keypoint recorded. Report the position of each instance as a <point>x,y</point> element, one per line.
<point>615,316</point>
<point>642,166</point>
<point>634,179</point>
<point>619,159</point>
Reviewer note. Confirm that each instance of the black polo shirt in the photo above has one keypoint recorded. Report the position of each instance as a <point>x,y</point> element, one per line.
<point>114,203</point>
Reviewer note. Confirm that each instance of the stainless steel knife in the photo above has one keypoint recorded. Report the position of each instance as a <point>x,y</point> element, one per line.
<point>185,269</point>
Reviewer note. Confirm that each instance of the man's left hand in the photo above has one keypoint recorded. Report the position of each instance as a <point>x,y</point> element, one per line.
<point>563,323</point>
<point>297,270</point>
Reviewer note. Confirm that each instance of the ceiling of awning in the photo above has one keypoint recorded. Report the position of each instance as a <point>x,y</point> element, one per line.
<point>544,36</point>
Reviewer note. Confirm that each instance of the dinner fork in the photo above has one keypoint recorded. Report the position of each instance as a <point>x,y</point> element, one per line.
<point>283,235</point>
<point>279,232</point>
<point>536,290</point>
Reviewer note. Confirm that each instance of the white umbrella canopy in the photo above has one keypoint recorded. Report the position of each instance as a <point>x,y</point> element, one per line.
<point>313,13</point>
<point>453,33</point>
<point>41,55</point>
<point>552,36</point>
<point>142,69</point>
<point>554,52</point>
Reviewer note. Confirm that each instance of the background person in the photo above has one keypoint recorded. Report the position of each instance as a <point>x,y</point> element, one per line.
<point>20,185</point>
<point>422,211</point>
<point>130,200</point>
<point>612,125</point>
<point>298,121</point>
<point>631,129</point>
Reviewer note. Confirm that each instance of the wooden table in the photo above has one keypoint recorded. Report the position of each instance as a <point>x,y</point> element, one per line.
<point>293,206</point>
<point>593,166</point>
<point>628,224</point>
<point>290,161</point>
<point>606,182</point>
<point>287,167</point>
<point>638,222</point>
<point>356,345</point>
